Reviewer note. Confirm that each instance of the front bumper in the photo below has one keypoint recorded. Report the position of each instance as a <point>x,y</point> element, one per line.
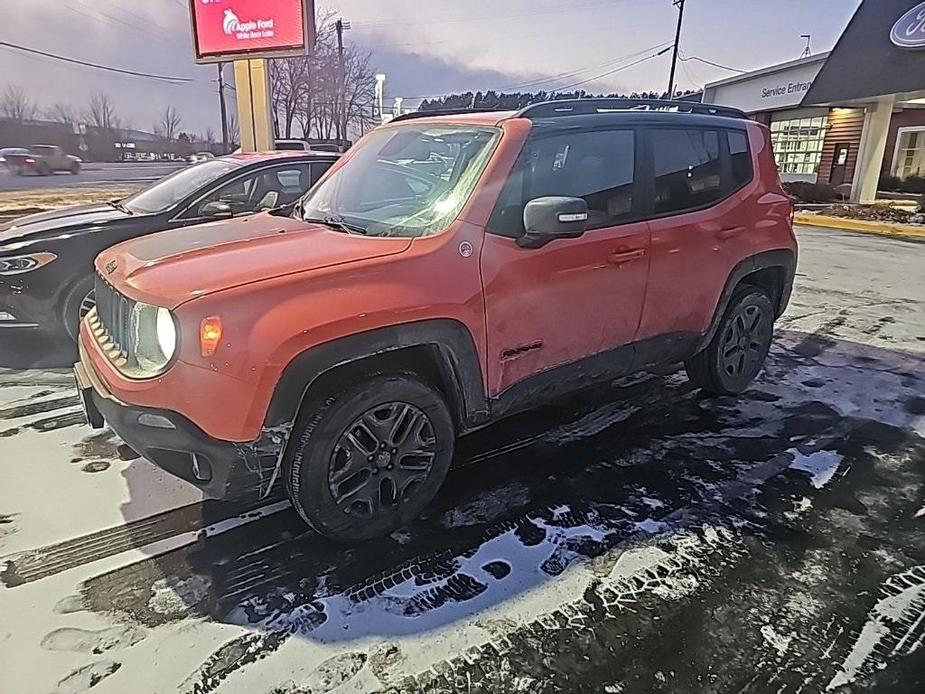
<point>220,469</point>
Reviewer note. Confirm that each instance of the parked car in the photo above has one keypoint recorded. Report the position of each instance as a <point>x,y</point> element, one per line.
<point>46,259</point>
<point>43,160</point>
<point>201,156</point>
<point>342,350</point>
<point>292,146</point>
<point>10,152</point>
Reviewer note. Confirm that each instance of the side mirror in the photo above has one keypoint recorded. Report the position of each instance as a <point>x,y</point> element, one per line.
<point>550,218</point>
<point>216,210</point>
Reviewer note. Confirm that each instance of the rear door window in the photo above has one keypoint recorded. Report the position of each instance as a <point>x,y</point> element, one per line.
<point>740,159</point>
<point>687,167</point>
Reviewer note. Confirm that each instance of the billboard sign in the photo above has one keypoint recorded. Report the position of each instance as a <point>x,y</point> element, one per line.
<point>226,30</point>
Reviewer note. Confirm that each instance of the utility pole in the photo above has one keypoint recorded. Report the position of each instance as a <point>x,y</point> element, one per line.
<point>224,107</point>
<point>341,26</point>
<point>677,42</point>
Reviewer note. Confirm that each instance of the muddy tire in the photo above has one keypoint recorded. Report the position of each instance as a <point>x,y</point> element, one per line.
<point>368,459</point>
<point>737,352</point>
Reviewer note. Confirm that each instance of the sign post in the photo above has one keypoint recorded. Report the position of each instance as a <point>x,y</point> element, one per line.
<point>248,33</point>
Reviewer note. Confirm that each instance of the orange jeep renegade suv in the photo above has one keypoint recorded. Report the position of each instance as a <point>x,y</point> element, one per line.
<point>449,270</point>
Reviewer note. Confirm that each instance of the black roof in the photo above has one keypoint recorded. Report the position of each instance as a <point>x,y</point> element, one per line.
<point>572,111</point>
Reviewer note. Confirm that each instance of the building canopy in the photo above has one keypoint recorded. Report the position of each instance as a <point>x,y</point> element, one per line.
<point>867,62</point>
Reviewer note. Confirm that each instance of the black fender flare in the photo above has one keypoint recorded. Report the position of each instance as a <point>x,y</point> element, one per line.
<point>458,365</point>
<point>783,259</point>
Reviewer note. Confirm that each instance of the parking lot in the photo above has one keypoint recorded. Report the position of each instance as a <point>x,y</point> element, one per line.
<point>640,537</point>
<point>91,174</point>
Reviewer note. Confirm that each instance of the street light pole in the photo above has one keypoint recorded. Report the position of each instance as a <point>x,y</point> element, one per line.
<point>677,42</point>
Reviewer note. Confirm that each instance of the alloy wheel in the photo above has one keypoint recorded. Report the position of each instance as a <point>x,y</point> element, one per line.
<point>745,342</point>
<point>87,304</point>
<point>381,460</point>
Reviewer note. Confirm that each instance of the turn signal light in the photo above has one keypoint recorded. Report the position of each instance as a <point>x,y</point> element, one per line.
<point>210,334</point>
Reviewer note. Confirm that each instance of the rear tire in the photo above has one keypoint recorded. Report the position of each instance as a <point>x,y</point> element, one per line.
<point>737,352</point>
<point>368,459</point>
<point>44,170</point>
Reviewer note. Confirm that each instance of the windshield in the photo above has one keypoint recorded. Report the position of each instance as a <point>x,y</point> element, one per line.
<point>405,181</point>
<point>170,190</point>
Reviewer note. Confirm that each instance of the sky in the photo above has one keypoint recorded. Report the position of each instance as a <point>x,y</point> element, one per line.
<point>426,47</point>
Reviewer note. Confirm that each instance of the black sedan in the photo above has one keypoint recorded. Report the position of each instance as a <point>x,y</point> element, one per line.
<point>46,260</point>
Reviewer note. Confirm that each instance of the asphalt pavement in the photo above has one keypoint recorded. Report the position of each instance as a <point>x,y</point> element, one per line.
<point>640,537</point>
<point>91,174</point>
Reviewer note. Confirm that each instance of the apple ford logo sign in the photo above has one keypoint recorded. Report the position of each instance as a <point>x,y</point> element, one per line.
<point>909,31</point>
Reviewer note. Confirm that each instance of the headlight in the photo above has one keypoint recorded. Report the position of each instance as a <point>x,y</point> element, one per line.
<point>154,339</point>
<point>18,264</point>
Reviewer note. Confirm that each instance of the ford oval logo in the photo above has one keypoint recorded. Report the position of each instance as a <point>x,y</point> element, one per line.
<point>909,31</point>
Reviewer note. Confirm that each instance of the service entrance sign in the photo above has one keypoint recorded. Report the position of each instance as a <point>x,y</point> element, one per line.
<point>225,30</point>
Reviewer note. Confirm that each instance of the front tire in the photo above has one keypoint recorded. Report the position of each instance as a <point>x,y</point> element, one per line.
<point>75,168</point>
<point>737,352</point>
<point>368,459</point>
<point>79,302</point>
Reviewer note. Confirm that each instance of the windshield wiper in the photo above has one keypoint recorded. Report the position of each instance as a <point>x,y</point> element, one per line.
<point>337,224</point>
<point>119,206</point>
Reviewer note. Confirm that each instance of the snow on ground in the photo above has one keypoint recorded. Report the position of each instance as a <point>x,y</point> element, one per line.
<point>595,539</point>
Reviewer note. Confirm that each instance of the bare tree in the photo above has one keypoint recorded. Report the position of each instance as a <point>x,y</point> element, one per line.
<point>168,126</point>
<point>62,113</point>
<point>209,136</point>
<point>234,129</point>
<point>101,112</point>
<point>16,104</point>
<point>306,90</point>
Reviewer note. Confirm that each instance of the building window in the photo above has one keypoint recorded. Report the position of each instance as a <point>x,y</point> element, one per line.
<point>798,144</point>
<point>910,153</point>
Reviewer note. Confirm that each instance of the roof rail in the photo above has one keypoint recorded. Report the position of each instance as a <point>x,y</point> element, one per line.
<point>587,107</point>
<point>442,112</point>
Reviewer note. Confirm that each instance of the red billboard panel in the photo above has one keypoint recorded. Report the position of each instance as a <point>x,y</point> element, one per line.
<point>238,29</point>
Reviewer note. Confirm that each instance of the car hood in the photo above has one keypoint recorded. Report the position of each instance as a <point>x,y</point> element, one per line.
<point>170,268</point>
<point>49,225</point>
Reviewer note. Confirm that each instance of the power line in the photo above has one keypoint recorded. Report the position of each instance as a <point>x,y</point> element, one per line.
<point>664,47</point>
<point>97,66</point>
<point>614,71</point>
<point>710,62</point>
<point>575,73</point>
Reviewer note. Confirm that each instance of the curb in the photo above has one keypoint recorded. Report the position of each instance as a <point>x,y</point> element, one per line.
<point>879,228</point>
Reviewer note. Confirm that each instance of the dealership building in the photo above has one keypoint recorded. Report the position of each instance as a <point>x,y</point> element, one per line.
<point>849,116</point>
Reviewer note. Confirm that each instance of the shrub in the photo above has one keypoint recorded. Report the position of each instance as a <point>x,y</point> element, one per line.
<point>802,191</point>
<point>913,184</point>
<point>889,183</point>
<point>872,213</point>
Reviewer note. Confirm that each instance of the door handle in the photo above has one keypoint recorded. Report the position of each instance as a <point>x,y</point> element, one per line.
<point>729,232</point>
<point>626,256</point>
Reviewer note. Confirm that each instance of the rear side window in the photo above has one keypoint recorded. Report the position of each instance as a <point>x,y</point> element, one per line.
<point>740,159</point>
<point>597,166</point>
<point>687,169</point>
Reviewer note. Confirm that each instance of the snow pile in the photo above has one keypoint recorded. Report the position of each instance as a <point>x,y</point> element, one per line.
<point>821,466</point>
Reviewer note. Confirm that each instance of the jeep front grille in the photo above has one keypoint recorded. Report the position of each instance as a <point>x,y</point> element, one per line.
<point>111,322</point>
